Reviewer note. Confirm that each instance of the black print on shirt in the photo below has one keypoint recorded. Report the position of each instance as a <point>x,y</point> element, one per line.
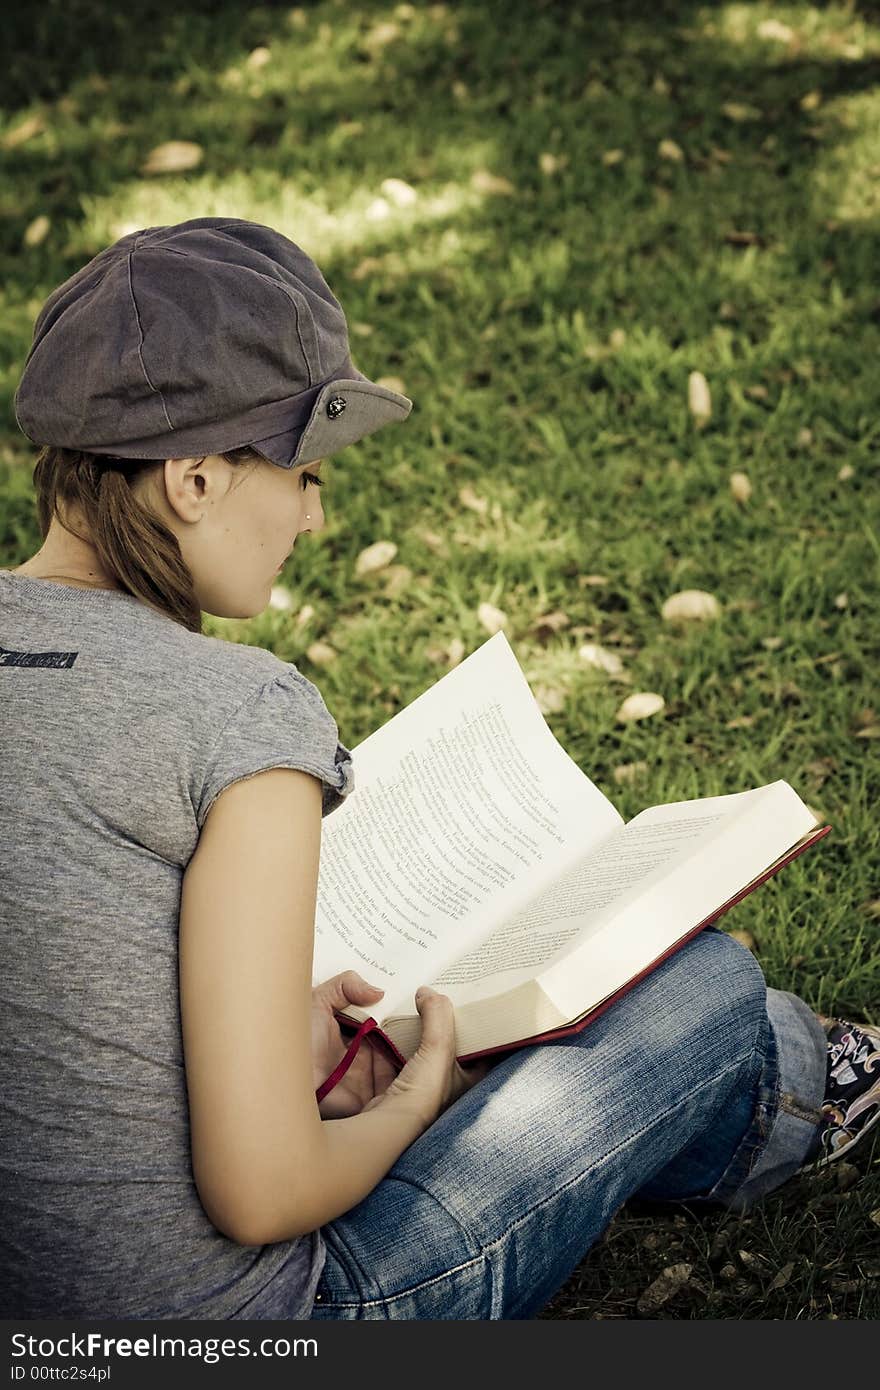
<point>60,660</point>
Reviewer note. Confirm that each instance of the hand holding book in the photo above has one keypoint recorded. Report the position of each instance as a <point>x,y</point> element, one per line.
<point>475,854</point>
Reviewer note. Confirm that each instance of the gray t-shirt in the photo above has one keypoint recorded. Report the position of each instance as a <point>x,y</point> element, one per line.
<point>118,729</point>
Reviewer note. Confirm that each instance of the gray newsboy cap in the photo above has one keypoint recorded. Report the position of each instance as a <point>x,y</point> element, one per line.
<point>181,341</point>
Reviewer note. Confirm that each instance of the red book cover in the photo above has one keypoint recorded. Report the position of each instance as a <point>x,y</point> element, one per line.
<point>371,1028</point>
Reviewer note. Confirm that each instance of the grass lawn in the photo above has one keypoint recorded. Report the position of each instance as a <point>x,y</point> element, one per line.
<point>590,203</point>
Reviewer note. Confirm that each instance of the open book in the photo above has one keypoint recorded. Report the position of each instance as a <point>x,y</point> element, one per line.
<point>475,856</point>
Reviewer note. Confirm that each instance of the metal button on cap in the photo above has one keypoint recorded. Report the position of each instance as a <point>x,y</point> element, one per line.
<point>335,406</point>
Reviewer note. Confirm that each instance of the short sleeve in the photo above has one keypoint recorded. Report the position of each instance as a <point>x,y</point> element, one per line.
<point>283,723</point>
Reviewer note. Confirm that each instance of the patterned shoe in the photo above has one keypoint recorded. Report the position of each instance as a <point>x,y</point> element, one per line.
<point>852,1089</point>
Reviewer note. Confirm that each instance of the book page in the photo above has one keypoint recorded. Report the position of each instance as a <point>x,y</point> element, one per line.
<point>576,905</point>
<point>465,807</point>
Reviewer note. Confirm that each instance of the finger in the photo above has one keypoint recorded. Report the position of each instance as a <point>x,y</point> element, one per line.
<point>348,988</point>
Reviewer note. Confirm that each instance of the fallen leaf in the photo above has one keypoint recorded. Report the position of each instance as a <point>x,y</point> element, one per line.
<point>375,557</point>
<point>872,908</point>
<point>690,605</point>
<point>391,383</point>
<point>600,659</point>
<point>258,59</point>
<point>699,398</point>
<point>460,91</point>
<point>668,149</point>
<point>297,18</point>
<point>841,601</point>
<point>744,938</point>
<point>741,111</point>
<point>381,35</point>
<point>550,699</point>
<point>305,614</point>
<point>548,623</point>
<point>660,85</point>
<point>361,330</point>
<point>772,644</point>
<point>378,210</point>
<point>485,182</point>
<point>30,126</point>
<point>665,1286</point>
<point>845,473</point>
<point>456,651</point>
<point>280,597</point>
<point>875,1216</point>
<point>321,654</point>
<point>775,29</point>
<point>404,12</point>
<point>740,487</point>
<point>396,578</point>
<point>625,773</point>
<point>468,498</point>
<point>757,393</point>
<point>612,157</point>
<point>805,438</point>
<point>640,706</point>
<point>366,267</point>
<point>810,101</point>
<point>616,338</point>
<point>552,163</point>
<point>869,731</point>
<point>434,542</point>
<point>742,721</point>
<point>592,581</point>
<point>173,157</point>
<point>37,231</point>
<point>491,618</point>
<point>401,194</point>
<point>742,238</point>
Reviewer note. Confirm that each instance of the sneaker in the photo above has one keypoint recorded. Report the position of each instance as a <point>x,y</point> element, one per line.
<point>852,1089</point>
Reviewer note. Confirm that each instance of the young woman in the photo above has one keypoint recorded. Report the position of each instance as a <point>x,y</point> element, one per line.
<point>163,1152</point>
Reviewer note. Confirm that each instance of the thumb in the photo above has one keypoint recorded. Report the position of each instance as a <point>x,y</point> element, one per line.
<point>437,1016</point>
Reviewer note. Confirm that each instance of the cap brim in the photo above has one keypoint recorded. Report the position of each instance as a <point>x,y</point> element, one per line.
<point>360,408</point>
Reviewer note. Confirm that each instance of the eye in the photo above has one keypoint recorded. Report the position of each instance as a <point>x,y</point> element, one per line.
<point>312,478</point>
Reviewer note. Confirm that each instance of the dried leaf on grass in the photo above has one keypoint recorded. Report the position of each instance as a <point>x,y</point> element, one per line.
<point>375,557</point>
<point>20,134</point>
<point>640,706</point>
<point>600,658</point>
<point>491,618</point>
<point>392,383</point>
<point>626,773</point>
<point>550,698</point>
<point>321,653</point>
<point>173,157</point>
<point>741,111</point>
<point>690,605</point>
<point>401,194</point>
<point>468,498</point>
<point>744,938</point>
<point>547,624</point>
<point>667,1284</point>
<point>668,149</point>
<point>740,487</point>
<point>483,181</point>
<point>37,231</point>
<point>699,398</point>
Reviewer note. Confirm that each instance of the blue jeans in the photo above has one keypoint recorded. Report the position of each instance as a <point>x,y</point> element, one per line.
<point>700,1084</point>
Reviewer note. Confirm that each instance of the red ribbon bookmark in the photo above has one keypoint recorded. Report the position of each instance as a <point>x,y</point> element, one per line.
<point>339,1071</point>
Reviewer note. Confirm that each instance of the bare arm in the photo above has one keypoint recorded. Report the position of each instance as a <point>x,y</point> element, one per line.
<point>266,1166</point>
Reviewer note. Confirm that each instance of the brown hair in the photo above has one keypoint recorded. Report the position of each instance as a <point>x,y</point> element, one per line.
<point>134,545</point>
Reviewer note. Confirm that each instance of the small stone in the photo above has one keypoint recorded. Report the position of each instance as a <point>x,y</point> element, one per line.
<point>841,601</point>
<point>612,157</point>
<point>600,659</point>
<point>321,654</point>
<point>845,473</point>
<point>258,58</point>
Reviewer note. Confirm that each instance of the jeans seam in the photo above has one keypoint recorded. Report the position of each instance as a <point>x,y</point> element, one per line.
<point>486,1250</point>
